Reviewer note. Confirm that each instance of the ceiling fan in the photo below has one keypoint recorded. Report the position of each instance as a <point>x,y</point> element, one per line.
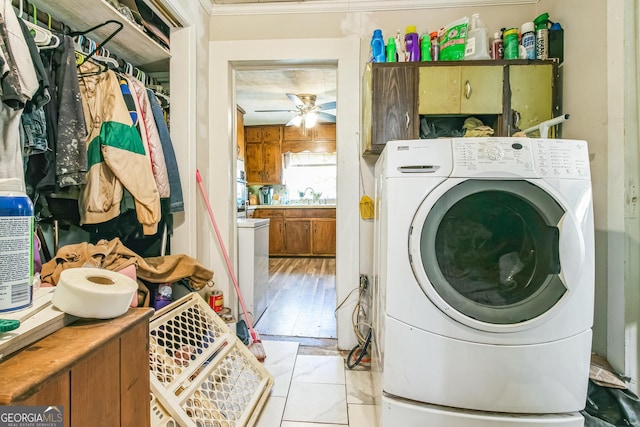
<point>308,111</point>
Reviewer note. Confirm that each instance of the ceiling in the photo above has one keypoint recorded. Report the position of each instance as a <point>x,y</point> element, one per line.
<point>267,88</point>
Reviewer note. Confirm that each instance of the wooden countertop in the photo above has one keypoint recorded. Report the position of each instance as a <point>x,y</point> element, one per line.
<point>27,370</point>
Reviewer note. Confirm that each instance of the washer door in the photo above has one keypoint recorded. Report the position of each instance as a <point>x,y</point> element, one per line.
<point>486,252</point>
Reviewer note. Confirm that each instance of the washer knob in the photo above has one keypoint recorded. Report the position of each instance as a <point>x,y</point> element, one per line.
<point>494,152</point>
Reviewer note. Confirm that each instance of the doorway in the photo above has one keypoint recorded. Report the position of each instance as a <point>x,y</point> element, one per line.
<point>301,290</point>
<point>345,53</point>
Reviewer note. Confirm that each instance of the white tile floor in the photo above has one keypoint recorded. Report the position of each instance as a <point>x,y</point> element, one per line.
<point>315,391</point>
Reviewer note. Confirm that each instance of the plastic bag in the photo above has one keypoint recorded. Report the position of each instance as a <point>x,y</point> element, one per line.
<point>452,40</point>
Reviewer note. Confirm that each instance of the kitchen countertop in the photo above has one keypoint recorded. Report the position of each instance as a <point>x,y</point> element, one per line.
<point>301,206</point>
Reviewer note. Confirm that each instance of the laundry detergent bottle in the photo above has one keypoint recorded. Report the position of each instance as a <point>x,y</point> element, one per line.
<point>378,53</point>
<point>412,44</point>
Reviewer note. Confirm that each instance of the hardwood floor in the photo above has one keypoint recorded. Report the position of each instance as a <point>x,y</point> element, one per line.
<point>303,298</point>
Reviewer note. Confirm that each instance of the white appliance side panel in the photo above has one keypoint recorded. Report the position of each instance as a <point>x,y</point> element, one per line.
<point>396,412</point>
<point>541,378</point>
<point>261,271</point>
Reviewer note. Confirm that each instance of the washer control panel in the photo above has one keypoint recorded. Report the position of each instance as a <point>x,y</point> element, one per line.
<point>523,157</point>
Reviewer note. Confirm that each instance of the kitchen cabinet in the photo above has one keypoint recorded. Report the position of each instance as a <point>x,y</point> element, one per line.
<point>263,154</point>
<point>506,95</point>
<point>319,139</point>
<point>297,237</point>
<point>276,229</point>
<point>97,371</point>
<point>300,231</point>
<point>392,104</point>
<point>460,90</point>
<point>240,133</point>
<point>324,236</point>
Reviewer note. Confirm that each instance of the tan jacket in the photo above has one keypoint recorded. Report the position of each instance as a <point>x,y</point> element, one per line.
<point>115,155</point>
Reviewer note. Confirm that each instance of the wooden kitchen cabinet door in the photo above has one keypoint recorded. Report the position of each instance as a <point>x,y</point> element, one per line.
<point>253,162</point>
<point>394,104</point>
<point>272,156</point>
<point>297,237</point>
<point>276,236</point>
<point>324,236</point>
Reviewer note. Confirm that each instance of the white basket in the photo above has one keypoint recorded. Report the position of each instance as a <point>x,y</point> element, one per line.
<point>202,375</point>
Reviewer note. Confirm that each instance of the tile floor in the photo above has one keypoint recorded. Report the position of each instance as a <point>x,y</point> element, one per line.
<point>316,389</point>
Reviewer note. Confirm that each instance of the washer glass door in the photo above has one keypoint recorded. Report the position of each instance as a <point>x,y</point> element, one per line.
<point>488,251</point>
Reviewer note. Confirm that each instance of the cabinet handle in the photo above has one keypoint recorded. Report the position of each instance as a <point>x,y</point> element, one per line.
<point>467,89</point>
<point>406,114</point>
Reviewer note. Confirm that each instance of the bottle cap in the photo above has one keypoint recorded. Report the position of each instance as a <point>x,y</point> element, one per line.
<point>377,33</point>
<point>496,35</point>
<point>392,41</point>
<point>433,34</point>
<point>556,26</point>
<point>541,21</point>
<point>411,29</point>
<point>527,27</point>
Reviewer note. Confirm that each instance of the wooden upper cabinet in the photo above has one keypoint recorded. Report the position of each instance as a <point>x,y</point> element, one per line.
<point>319,139</point>
<point>506,95</point>
<point>240,133</point>
<point>394,104</point>
<point>263,154</point>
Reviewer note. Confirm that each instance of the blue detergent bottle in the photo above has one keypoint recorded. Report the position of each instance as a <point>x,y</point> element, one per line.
<point>378,53</point>
<point>412,44</point>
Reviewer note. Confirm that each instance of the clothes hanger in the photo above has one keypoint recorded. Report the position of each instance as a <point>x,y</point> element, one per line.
<point>55,38</point>
<point>41,36</point>
<point>104,42</point>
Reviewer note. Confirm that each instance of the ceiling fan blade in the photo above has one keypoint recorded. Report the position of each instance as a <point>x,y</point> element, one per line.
<point>296,100</point>
<point>295,121</point>
<point>328,106</point>
<point>326,117</point>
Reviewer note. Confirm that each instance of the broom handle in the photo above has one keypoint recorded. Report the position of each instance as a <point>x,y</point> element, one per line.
<point>226,257</point>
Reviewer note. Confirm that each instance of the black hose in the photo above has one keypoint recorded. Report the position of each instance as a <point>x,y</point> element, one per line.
<point>362,353</point>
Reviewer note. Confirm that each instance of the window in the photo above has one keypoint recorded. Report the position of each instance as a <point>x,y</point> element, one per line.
<point>310,177</point>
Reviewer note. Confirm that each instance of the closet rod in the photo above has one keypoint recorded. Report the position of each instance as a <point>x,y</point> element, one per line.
<point>40,16</point>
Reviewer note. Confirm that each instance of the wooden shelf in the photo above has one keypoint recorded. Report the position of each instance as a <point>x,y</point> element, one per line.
<point>131,44</point>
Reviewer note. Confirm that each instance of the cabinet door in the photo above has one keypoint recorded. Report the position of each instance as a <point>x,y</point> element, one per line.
<point>272,172</point>
<point>253,134</point>
<point>253,164</point>
<point>531,94</point>
<point>394,104</point>
<point>325,132</point>
<point>272,133</point>
<point>324,236</point>
<point>439,90</point>
<point>460,90</point>
<point>276,236</point>
<point>297,237</point>
<point>294,133</point>
<point>481,90</point>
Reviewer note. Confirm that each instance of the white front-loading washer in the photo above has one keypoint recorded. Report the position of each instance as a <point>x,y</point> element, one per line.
<point>484,273</point>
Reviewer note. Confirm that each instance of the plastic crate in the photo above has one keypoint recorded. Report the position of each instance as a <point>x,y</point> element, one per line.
<point>202,375</point>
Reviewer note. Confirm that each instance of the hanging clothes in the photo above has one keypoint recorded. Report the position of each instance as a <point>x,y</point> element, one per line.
<point>19,85</point>
<point>149,134</point>
<point>116,155</point>
<point>176,201</point>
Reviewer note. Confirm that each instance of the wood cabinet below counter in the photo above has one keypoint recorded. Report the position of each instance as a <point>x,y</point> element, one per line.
<point>300,231</point>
